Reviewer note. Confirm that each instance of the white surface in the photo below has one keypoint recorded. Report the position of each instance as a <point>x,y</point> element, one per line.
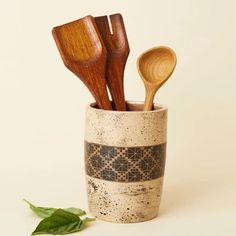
<point>42,113</point>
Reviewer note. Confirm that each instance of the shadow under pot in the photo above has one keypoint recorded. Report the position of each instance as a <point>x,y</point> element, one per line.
<point>125,160</point>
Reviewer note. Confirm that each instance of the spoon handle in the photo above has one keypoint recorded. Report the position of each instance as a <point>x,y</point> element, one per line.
<point>150,94</point>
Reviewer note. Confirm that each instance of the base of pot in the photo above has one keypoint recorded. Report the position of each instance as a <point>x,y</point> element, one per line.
<point>124,202</point>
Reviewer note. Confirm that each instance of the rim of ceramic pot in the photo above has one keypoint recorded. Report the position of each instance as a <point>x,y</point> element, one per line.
<point>157,108</point>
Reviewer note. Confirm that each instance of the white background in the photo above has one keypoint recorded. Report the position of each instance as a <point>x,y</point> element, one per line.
<point>42,108</point>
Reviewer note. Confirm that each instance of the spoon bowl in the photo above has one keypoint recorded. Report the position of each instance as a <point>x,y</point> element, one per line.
<point>155,66</point>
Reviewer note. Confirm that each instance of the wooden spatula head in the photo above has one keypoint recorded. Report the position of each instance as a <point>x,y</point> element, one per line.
<point>115,38</point>
<point>73,42</point>
<point>84,53</point>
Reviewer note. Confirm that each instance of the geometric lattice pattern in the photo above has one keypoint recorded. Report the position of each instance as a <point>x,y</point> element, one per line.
<point>125,164</point>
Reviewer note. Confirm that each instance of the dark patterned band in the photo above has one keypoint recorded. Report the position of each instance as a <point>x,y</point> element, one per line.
<point>125,164</point>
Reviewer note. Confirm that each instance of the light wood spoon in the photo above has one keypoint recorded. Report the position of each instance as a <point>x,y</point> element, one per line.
<point>155,66</point>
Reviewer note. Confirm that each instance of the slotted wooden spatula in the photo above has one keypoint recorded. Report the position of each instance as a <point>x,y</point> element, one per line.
<point>84,53</point>
<point>117,53</point>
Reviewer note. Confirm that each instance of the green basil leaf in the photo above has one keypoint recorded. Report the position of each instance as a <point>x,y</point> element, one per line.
<point>45,212</point>
<point>61,222</point>
<point>75,211</point>
<point>42,212</point>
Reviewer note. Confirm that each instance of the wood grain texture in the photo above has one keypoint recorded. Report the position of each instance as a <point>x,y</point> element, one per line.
<point>117,53</point>
<point>155,66</point>
<point>84,53</point>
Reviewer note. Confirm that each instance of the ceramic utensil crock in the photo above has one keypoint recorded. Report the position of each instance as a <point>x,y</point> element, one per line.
<point>125,160</point>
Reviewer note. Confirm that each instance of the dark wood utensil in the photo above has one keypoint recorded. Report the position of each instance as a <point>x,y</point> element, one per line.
<point>117,53</point>
<point>84,53</point>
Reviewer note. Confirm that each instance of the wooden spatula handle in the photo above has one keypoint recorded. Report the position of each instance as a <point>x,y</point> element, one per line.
<point>102,99</point>
<point>94,79</point>
<point>115,82</point>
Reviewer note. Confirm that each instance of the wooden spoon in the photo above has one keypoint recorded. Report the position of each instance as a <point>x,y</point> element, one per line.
<point>84,53</point>
<point>117,46</point>
<point>155,66</point>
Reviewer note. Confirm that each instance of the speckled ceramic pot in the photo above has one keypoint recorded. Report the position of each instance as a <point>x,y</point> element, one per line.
<point>124,160</point>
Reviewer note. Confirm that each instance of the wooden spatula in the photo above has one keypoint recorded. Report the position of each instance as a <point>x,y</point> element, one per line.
<point>117,53</point>
<point>84,53</point>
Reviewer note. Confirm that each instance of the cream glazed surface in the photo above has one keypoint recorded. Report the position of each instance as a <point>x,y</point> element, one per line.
<point>124,202</point>
<point>125,129</point>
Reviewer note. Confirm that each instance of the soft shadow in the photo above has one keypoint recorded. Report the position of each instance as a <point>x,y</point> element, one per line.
<point>192,189</point>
